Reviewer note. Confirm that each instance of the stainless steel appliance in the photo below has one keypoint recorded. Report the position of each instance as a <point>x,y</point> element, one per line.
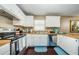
<point>14,47</point>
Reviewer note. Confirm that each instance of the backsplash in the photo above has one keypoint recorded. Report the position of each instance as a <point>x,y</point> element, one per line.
<point>56,29</point>
<point>53,29</point>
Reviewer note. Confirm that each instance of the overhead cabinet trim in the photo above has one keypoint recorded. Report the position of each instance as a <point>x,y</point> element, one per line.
<point>14,10</point>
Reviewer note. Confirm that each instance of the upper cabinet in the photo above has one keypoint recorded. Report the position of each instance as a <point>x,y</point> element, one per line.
<point>16,21</point>
<point>28,21</point>
<point>14,10</point>
<point>52,21</point>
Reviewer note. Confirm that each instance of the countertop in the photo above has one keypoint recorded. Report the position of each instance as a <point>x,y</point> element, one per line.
<point>42,33</point>
<point>8,40</point>
<point>3,42</point>
<point>73,35</point>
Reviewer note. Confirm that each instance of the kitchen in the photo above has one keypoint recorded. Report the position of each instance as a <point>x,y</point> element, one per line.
<point>27,29</point>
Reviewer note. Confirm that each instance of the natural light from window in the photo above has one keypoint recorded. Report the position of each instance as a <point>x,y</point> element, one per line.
<point>39,25</point>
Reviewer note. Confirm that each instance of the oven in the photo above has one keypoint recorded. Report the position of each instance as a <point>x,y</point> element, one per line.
<point>14,47</point>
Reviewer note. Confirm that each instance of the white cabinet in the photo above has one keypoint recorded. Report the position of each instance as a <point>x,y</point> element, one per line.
<point>30,40</point>
<point>22,43</point>
<point>28,21</point>
<point>16,22</point>
<point>68,44</point>
<point>52,21</point>
<point>5,49</point>
<point>42,40</point>
<point>14,10</point>
<point>37,40</point>
<point>26,41</point>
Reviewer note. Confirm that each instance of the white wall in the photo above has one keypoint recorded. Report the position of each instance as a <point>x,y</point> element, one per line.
<point>5,22</point>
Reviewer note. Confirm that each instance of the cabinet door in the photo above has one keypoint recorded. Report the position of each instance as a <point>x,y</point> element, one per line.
<point>52,21</point>
<point>30,41</point>
<point>20,44</point>
<point>16,22</point>
<point>36,40</point>
<point>7,53</point>
<point>23,42</point>
<point>27,22</point>
<point>4,49</point>
<point>26,41</point>
<point>43,40</point>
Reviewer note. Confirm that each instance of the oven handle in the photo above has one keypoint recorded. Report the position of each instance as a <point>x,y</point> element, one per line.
<point>15,41</point>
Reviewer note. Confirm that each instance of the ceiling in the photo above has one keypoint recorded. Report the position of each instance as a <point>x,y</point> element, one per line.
<point>50,9</point>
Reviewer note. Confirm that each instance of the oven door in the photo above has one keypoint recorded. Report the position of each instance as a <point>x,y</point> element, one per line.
<point>14,47</point>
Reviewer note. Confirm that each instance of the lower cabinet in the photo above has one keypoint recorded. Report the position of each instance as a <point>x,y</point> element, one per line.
<point>5,49</point>
<point>22,43</point>
<point>30,41</point>
<point>37,40</point>
<point>68,44</point>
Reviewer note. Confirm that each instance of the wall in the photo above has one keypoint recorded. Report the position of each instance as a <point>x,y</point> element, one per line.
<point>39,17</point>
<point>65,23</point>
<point>5,22</point>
